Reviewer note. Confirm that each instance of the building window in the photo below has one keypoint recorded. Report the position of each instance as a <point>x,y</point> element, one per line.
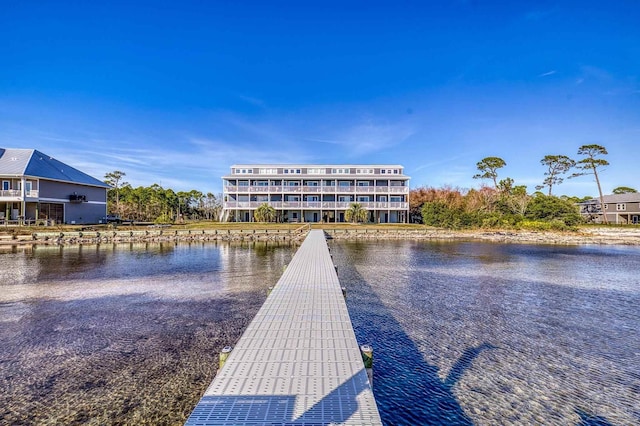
<point>268,171</point>
<point>621,207</point>
<point>244,171</point>
<point>316,171</point>
<point>363,199</point>
<point>344,183</point>
<point>364,171</point>
<point>363,183</point>
<point>6,185</point>
<point>340,171</point>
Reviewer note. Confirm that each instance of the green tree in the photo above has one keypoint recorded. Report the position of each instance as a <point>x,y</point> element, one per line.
<point>624,190</point>
<point>548,208</point>
<point>265,213</point>
<point>590,165</point>
<point>114,179</point>
<point>356,213</point>
<point>489,169</point>
<point>556,165</point>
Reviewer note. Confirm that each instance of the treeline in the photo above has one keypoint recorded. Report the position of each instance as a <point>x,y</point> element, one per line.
<point>157,204</point>
<point>506,205</point>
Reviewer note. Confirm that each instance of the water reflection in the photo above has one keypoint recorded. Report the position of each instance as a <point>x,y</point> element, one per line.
<point>498,334</point>
<point>125,334</point>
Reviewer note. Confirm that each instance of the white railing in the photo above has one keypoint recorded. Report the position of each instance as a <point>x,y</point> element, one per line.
<point>13,193</point>
<point>317,205</point>
<point>230,189</point>
<point>17,193</point>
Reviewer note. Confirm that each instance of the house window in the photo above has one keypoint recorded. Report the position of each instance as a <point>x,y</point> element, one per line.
<point>244,171</point>
<point>621,207</point>
<point>268,171</point>
<point>364,171</point>
<point>316,171</point>
<point>28,186</point>
<point>6,185</point>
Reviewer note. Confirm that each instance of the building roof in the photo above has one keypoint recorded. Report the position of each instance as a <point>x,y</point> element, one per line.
<point>33,163</point>
<point>633,197</point>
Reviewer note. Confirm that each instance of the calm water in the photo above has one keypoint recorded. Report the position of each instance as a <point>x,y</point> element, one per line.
<point>464,333</point>
<point>125,334</point>
<point>477,333</point>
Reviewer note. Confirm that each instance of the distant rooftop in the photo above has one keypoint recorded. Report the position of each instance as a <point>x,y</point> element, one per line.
<point>33,163</point>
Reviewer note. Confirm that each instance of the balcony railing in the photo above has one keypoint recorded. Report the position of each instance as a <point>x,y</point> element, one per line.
<point>255,189</point>
<point>17,193</point>
<point>317,205</point>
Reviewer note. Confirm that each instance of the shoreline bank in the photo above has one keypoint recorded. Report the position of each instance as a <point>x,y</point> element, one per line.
<point>599,236</point>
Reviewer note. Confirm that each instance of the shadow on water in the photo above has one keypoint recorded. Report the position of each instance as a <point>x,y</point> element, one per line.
<point>408,389</point>
<point>591,420</point>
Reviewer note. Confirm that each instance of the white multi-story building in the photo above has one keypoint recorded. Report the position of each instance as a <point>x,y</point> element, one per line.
<point>316,193</point>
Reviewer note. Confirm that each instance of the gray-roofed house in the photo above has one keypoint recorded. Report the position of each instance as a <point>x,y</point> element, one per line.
<point>37,187</point>
<point>619,208</point>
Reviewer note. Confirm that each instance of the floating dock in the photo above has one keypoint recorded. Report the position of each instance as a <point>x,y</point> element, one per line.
<point>298,362</point>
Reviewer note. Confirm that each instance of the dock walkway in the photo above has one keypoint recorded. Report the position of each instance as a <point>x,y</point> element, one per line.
<point>298,362</point>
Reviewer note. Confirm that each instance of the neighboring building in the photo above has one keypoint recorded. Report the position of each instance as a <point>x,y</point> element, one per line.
<point>619,208</point>
<point>316,193</point>
<point>36,186</point>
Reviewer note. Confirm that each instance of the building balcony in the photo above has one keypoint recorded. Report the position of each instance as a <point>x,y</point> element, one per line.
<point>16,194</point>
<point>290,189</point>
<point>316,205</point>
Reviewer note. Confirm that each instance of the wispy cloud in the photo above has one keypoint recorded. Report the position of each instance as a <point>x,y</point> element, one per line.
<point>368,137</point>
<point>253,101</point>
<point>548,73</point>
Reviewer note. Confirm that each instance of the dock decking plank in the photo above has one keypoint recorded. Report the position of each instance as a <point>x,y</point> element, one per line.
<point>298,362</point>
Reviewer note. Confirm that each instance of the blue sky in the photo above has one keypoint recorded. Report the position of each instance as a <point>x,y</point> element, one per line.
<point>175,92</point>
